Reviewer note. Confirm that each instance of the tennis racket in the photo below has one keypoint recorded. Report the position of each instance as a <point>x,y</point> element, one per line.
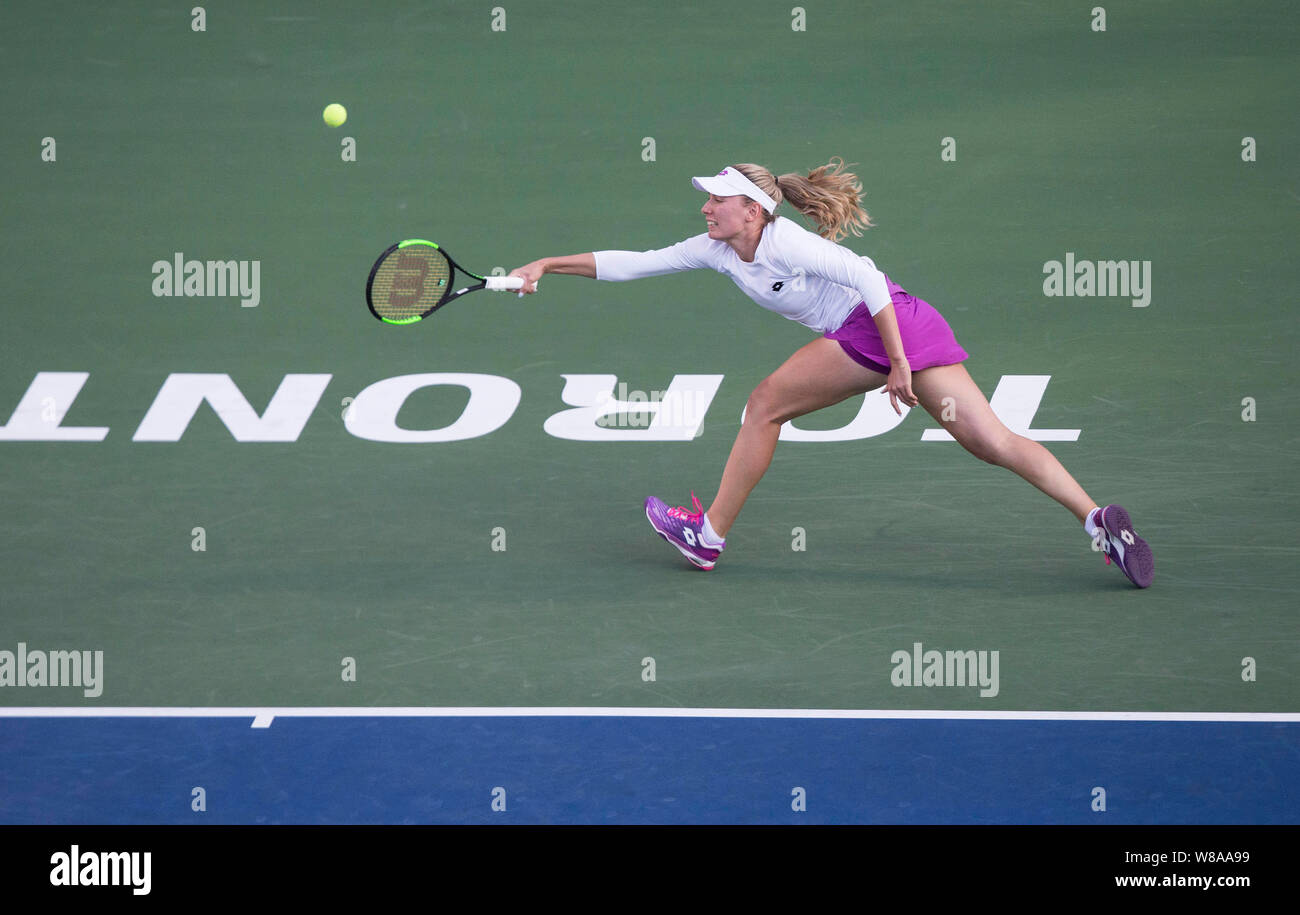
<point>413,279</point>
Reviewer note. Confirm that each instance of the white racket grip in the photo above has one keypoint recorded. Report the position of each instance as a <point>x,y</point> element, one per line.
<point>504,283</point>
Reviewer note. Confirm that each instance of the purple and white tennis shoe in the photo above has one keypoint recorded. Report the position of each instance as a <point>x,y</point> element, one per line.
<point>1120,543</point>
<point>684,530</point>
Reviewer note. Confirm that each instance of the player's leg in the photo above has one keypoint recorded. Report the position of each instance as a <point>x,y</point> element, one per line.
<point>949,394</point>
<point>817,375</point>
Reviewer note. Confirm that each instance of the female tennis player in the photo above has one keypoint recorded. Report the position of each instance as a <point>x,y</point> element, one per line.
<point>875,335</point>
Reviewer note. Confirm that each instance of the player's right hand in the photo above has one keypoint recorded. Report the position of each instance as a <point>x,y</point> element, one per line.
<point>530,274</point>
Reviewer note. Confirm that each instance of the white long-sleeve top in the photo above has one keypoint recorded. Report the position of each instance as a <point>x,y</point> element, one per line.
<point>795,273</point>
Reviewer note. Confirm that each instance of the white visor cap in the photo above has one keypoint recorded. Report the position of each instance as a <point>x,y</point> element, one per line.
<point>729,182</point>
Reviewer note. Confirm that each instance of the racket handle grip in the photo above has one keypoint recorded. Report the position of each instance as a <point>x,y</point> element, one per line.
<point>503,283</point>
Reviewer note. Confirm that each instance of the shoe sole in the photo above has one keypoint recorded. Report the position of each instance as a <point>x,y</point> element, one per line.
<point>699,563</point>
<point>1139,564</point>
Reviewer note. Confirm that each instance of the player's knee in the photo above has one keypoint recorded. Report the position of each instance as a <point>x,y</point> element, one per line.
<point>763,405</point>
<point>989,449</point>
<point>1001,450</point>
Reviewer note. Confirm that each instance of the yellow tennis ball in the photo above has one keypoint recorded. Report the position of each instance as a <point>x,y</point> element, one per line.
<point>335,114</point>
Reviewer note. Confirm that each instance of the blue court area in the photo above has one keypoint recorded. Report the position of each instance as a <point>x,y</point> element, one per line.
<point>646,770</point>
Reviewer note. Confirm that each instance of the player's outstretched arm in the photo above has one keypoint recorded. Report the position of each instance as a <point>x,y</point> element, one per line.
<point>573,264</point>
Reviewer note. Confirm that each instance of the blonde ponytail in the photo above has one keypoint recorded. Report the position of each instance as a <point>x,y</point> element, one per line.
<point>828,195</point>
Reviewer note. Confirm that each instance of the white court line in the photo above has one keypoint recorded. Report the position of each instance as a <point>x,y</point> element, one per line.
<point>263,716</point>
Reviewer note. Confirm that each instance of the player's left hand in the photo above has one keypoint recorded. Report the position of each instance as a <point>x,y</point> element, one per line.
<point>899,386</point>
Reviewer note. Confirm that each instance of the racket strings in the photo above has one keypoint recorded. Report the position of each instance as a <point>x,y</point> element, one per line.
<point>410,282</point>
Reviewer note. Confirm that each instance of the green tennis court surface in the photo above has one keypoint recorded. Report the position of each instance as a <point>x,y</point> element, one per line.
<point>516,568</point>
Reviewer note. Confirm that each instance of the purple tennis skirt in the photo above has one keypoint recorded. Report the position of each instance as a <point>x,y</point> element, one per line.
<point>927,339</point>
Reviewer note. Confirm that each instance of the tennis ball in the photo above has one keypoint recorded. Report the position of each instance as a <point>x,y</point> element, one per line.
<point>335,114</point>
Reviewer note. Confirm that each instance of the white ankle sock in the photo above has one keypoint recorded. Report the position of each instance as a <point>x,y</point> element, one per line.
<point>1090,523</point>
<point>711,537</point>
